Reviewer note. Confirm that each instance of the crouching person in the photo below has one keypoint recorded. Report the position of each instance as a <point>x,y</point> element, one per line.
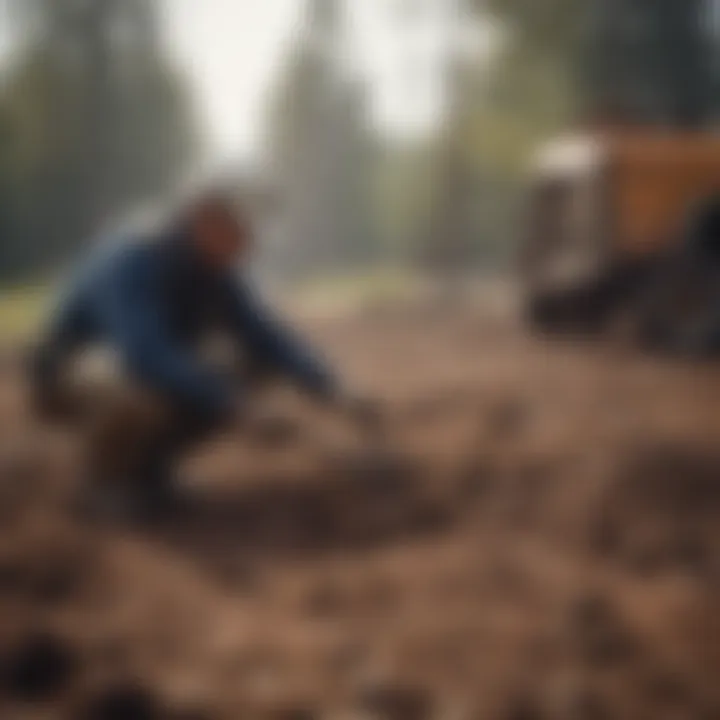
<point>152,299</point>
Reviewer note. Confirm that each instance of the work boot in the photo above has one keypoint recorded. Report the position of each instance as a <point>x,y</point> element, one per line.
<point>139,501</point>
<point>128,458</point>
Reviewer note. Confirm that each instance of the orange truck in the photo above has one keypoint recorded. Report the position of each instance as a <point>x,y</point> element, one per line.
<point>623,230</point>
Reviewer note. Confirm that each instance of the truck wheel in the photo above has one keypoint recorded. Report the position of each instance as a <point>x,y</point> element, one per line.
<point>680,312</point>
<point>578,313</point>
<point>543,314</point>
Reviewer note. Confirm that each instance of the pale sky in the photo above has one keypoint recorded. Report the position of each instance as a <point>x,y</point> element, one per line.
<point>233,51</point>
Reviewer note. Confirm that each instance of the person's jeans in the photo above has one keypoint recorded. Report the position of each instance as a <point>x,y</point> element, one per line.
<point>129,434</point>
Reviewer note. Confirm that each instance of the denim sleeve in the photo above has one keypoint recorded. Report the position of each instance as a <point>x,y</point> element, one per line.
<point>273,342</point>
<point>131,309</point>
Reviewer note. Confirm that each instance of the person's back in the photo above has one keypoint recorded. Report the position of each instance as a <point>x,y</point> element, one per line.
<point>79,317</point>
<point>151,299</point>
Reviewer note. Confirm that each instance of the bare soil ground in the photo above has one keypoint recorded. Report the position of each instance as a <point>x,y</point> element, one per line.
<point>537,537</point>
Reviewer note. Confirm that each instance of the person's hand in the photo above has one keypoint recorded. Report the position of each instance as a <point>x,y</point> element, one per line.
<point>364,412</point>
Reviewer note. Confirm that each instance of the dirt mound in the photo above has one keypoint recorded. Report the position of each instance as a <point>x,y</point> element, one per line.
<point>660,510</point>
<point>535,538</point>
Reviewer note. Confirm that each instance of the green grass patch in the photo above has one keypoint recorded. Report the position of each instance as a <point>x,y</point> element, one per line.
<point>20,312</point>
<point>355,290</point>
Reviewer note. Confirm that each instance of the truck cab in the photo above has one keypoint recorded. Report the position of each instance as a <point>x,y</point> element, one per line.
<point>608,216</point>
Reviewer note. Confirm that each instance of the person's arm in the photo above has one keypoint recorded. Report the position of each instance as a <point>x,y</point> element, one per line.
<point>275,343</point>
<point>133,313</point>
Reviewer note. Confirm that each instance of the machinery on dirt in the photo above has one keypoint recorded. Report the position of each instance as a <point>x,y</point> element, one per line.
<point>623,231</point>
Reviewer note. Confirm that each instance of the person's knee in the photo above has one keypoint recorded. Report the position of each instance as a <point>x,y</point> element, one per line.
<point>131,410</point>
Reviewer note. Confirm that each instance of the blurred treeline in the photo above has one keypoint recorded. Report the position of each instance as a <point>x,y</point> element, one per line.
<point>556,66</point>
<point>93,118</point>
<point>450,202</point>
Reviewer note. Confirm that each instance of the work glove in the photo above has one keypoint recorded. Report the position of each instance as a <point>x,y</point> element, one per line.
<point>267,426</point>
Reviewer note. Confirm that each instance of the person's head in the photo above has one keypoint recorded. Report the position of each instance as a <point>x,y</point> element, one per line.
<point>223,217</point>
<point>221,232</point>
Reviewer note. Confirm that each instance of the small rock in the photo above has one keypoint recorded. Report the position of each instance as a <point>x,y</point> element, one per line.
<point>39,668</point>
<point>523,707</point>
<point>122,702</point>
<point>390,701</point>
<point>598,633</point>
<point>507,419</point>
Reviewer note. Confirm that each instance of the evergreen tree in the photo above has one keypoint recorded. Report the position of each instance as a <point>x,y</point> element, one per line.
<point>321,150</point>
<point>95,120</point>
